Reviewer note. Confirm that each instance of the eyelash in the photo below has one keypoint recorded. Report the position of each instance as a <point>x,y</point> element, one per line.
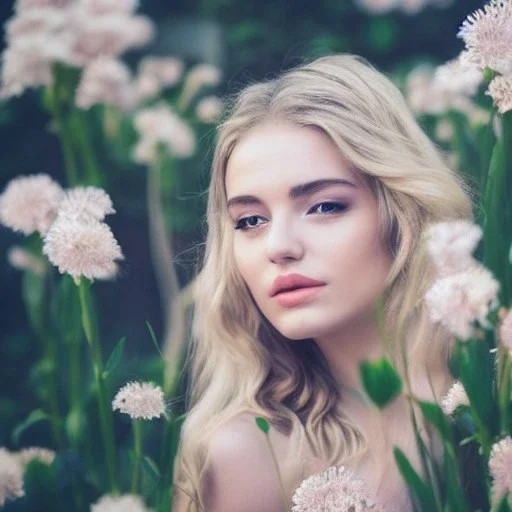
<point>241,224</point>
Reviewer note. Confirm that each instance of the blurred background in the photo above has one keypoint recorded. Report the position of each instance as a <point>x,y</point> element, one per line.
<point>247,40</point>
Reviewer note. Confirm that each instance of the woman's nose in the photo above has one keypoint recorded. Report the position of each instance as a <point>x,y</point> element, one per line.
<point>283,242</point>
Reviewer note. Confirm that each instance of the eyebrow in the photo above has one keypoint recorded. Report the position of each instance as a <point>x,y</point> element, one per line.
<point>297,191</point>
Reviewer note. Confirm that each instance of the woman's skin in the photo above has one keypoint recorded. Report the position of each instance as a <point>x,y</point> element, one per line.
<point>328,233</point>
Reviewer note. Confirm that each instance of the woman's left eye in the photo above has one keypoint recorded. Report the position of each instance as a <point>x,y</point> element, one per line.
<point>328,207</point>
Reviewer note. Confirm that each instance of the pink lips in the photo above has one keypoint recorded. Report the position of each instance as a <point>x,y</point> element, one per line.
<point>294,289</point>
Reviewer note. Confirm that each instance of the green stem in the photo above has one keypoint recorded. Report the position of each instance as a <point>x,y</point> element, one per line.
<point>105,411</point>
<point>74,376</point>
<point>278,472</point>
<point>504,389</point>
<point>137,445</point>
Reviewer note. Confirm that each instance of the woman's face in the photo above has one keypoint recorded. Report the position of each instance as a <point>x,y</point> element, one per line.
<point>297,208</point>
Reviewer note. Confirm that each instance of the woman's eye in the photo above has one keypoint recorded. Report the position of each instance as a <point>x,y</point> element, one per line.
<point>328,207</point>
<point>248,223</point>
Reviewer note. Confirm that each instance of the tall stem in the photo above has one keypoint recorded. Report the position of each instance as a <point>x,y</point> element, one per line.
<point>137,445</point>
<point>105,412</point>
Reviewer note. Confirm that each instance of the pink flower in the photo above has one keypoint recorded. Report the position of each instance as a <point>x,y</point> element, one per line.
<point>83,247</point>
<point>11,477</point>
<point>488,36</point>
<point>140,400</point>
<point>29,203</point>
<point>23,260</point>
<point>334,490</point>
<point>202,75</point>
<point>83,202</point>
<point>500,468</point>
<point>378,6</point>
<point>25,5</point>
<point>157,73</point>
<point>106,81</point>
<point>44,455</point>
<point>451,245</point>
<point>209,109</point>
<point>460,300</point>
<point>458,77</point>
<point>500,90</point>
<point>123,503</point>
<point>455,397</point>
<point>101,7</point>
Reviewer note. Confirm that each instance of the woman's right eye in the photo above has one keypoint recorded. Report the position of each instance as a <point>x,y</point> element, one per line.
<point>247,223</point>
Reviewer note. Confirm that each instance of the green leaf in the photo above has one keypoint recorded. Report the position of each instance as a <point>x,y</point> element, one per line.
<point>380,381</point>
<point>115,357</point>
<point>35,418</point>
<point>421,490</point>
<point>435,415</point>
<point>262,424</point>
<point>150,467</point>
<point>503,506</point>
<point>153,338</point>
<point>33,292</point>
<point>75,425</point>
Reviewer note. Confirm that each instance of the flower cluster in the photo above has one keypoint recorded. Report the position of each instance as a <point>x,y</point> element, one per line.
<point>407,6</point>
<point>123,503</point>
<point>500,464</point>
<point>466,292</point>
<point>11,477</point>
<point>44,32</point>
<point>140,400</point>
<point>487,34</point>
<point>455,398</point>
<point>334,490</point>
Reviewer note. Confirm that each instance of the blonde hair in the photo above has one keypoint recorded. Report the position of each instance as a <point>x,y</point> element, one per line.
<point>239,361</point>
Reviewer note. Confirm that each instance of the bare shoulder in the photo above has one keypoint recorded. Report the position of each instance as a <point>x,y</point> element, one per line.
<point>241,474</point>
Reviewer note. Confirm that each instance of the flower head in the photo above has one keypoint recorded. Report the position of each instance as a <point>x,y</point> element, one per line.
<point>455,397</point>
<point>140,400</point>
<point>44,455</point>
<point>123,503</point>
<point>85,202</point>
<point>22,259</point>
<point>11,477</point>
<point>488,36</point>
<point>29,203</point>
<point>101,7</point>
<point>25,5</point>
<point>500,90</point>
<point>202,75</point>
<point>458,77</point>
<point>378,6</point>
<point>160,124</point>
<point>82,247</point>
<point>157,73</point>
<point>500,468</point>
<point>460,300</point>
<point>451,245</point>
<point>334,490</point>
<point>209,109</point>
<point>106,80</point>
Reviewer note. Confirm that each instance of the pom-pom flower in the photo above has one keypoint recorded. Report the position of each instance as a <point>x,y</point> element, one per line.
<point>106,81</point>
<point>123,503</point>
<point>27,455</point>
<point>334,490</point>
<point>451,245</point>
<point>209,109</point>
<point>155,74</point>
<point>500,90</point>
<point>140,400</point>
<point>488,36</point>
<point>29,203</point>
<point>22,259</point>
<point>82,248</point>
<point>460,300</point>
<point>160,125</point>
<point>455,397</point>
<point>85,202</point>
<point>500,468</point>
<point>11,477</point>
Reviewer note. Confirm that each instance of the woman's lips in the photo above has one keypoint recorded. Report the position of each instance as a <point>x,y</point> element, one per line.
<point>292,298</point>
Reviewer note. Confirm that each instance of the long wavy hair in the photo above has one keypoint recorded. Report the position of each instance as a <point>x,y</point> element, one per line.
<point>238,361</point>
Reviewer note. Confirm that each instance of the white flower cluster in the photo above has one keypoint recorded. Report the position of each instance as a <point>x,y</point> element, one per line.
<point>75,238</point>
<point>455,397</point>
<point>140,400</point>
<point>76,33</point>
<point>334,490</point>
<point>123,503</point>
<point>407,6</point>
<point>466,291</point>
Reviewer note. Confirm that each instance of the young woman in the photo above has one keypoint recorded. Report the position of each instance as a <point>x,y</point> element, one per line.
<point>322,183</point>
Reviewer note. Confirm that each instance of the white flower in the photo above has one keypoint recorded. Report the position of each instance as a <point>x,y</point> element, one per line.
<point>334,490</point>
<point>80,202</point>
<point>412,6</point>
<point>25,5</point>
<point>11,477</point>
<point>157,73</point>
<point>378,6</point>
<point>140,400</point>
<point>209,109</point>
<point>29,203</point>
<point>488,36</point>
<point>160,124</point>
<point>106,81</point>
<point>500,90</point>
<point>459,300</point>
<point>500,468</point>
<point>444,130</point>
<point>451,245</point>
<point>82,247</point>
<point>23,260</point>
<point>44,455</point>
<point>123,503</point>
<point>455,397</point>
<point>458,77</point>
<point>101,7</point>
<point>202,75</point>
